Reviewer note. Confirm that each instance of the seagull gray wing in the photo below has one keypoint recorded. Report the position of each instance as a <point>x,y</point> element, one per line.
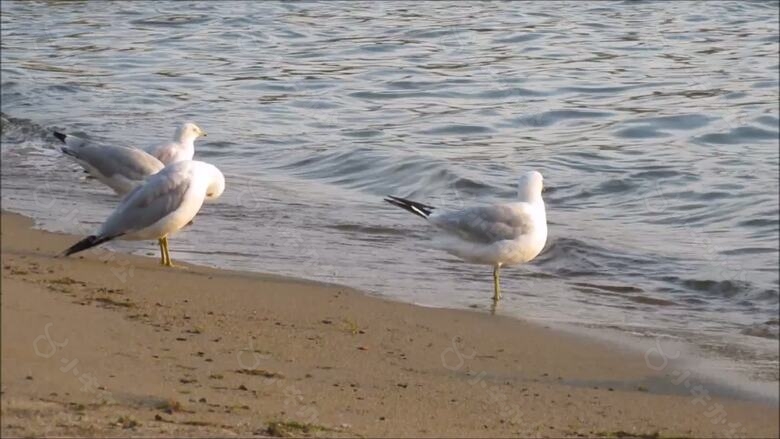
<point>131,163</point>
<point>483,225</point>
<point>161,194</point>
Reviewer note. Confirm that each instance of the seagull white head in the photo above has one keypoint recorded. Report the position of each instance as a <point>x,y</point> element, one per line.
<point>188,132</point>
<point>530,186</point>
<point>216,183</point>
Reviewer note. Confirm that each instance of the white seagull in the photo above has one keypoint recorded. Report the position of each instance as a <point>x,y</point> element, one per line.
<point>497,235</point>
<point>182,147</point>
<point>162,205</point>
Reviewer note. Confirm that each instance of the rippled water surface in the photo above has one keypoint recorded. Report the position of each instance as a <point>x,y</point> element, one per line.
<point>655,125</point>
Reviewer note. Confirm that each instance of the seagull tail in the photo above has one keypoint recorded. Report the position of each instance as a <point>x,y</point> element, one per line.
<point>61,137</point>
<point>64,148</point>
<point>419,209</point>
<point>86,243</point>
<point>71,143</point>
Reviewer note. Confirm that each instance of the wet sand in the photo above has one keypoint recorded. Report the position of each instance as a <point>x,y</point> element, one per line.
<point>112,344</point>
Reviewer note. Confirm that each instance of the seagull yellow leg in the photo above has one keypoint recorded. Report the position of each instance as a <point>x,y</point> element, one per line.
<point>493,307</point>
<point>163,260</point>
<point>496,286</point>
<point>168,261</point>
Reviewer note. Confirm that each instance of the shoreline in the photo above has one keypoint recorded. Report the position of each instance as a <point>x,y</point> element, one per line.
<point>198,350</point>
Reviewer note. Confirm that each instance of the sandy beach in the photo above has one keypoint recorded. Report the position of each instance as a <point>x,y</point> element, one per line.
<point>108,344</point>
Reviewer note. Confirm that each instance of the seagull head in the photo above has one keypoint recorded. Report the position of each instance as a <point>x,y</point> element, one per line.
<point>530,186</point>
<point>207,176</point>
<point>188,132</point>
<point>216,185</point>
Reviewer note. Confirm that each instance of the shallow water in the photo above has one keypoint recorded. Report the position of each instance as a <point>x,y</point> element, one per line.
<point>655,125</point>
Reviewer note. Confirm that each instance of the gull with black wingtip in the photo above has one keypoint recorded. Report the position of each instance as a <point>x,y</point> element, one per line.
<point>498,235</point>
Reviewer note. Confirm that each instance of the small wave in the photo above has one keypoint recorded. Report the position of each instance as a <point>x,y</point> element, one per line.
<point>520,38</point>
<point>171,20</point>
<point>363,134</point>
<point>625,292</point>
<point>216,148</point>
<point>738,135</point>
<point>552,117</point>
<point>567,256</point>
<point>383,95</point>
<point>367,229</point>
<point>677,122</point>
<point>458,129</point>
<point>641,132</point>
<point>612,288</point>
<point>382,173</point>
<point>748,251</point>
<point>769,329</point>
<point>769,121</point>
<point>607,89</point>
<point>17,131</point>
<point>615,186</point>
<point>412,85</point>
<point>724,288</point>
<point>503,93</point>
<point>759,222</point>
<point>656,174</point>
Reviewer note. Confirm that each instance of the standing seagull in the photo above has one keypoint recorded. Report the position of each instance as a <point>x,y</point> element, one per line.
<point>182,147</point>
<point>165,203</point>
<point>502,234</point>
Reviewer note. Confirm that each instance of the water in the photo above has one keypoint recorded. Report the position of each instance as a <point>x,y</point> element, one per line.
<point>654,123</point>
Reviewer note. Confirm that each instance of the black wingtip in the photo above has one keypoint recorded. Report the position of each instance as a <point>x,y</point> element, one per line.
<point>419,209</point>
<point>86,243</point>
<point>60,136</point>
<point>404,200</point>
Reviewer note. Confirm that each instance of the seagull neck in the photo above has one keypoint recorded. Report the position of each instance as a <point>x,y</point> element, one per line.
<point>533,199</point>
<point>185,139</point>
<point>186,150</point>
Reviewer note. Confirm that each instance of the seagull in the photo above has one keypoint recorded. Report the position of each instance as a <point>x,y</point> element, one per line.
<point>497,235</point>
<point>165,203</point>
<point>118,167</point>
<point>182,147</point>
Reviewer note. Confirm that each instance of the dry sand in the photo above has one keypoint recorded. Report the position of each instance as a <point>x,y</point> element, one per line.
<point>153,351</point>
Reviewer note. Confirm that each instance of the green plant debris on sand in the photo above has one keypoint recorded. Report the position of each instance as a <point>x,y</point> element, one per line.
<point>67,281</point>
<point>169,406</point>
<point>351,326</point>
<point>197,423</point>
<point>57,289</point>
<point>260,372</point>
<point>624,434</point>
<point>291,429</point>
<point>127,422</point>
<point>112,302</point>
